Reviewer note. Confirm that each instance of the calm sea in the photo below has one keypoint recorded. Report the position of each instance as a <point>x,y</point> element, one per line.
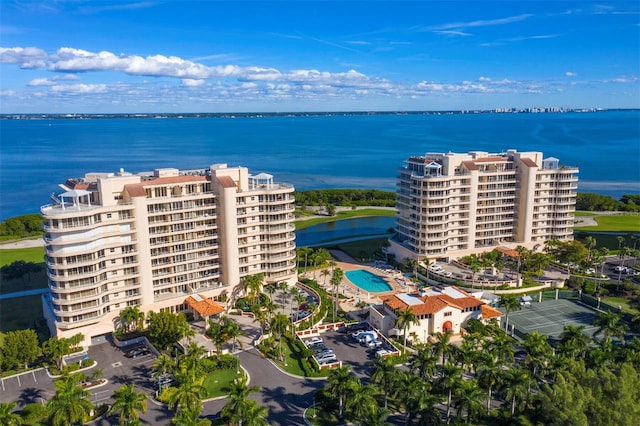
<point>309,152</point>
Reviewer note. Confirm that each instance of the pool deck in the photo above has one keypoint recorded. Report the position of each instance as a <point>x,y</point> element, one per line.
<point>353,293</point>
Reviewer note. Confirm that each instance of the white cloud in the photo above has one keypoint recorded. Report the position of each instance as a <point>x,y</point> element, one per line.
<point>452,33</point>
<point>570,74</point>
<point>480,23</point>
<point>189,82</point>
<point>79,88</point>
<point>484,79</point>
<point>26,57</point>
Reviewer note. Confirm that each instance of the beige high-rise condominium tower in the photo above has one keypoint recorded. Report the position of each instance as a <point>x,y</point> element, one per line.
<point>451,205</point>
<point>153,240</point>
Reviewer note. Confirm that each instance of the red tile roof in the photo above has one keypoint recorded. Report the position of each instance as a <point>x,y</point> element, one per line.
<point>434,303</point>
<point>488,312</point>
<point>205,307</point>
<point>226,182</point>
<point>135,190</point>
<point>508,252</point>
<point>528,162</point>
<point>470,165</point>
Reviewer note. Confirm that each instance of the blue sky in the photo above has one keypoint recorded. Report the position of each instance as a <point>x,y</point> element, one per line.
<point>215,56</point>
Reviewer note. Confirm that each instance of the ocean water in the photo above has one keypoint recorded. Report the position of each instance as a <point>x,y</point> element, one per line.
<point>340,151</point>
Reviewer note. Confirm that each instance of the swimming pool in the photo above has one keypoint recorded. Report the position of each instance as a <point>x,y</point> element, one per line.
<point>368,281</point>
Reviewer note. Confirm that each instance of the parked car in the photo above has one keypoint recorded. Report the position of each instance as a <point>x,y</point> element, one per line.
<point>326,359</point>
<point>313,341</point>
<point>136,352</point>
<point>357,333</point>
<point>375,344</point>
<point>353,327</point>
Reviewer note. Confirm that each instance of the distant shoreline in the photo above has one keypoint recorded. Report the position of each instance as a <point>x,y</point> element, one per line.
<point>77,116</point>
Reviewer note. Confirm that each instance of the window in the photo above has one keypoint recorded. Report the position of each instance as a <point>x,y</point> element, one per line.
<point>448,314</point>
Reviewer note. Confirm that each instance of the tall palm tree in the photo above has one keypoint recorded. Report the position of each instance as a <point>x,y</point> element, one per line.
<point>443,345</point>
<point>187,395</point>
<point>469,399</point>
<point>232,332</point>
<point>590,244</point>
<point>517,384</point>
<point>510,303</point>
<point>128,403</point>
<point>449,381</point>
<point>325,273</point>
<point>336,279</point>
<point>489,374</point>
<point>423,362</point>
<point>501,347</point>
<point>609,324</point>
<point>416,396</point>
<point>70,404</point>
<point>538,352</point>
<point>339,383</point>
<point>256,415</point>
<point>362,402</point>
<point>190,417</point>
<point>386,375</point>
<point>279,325</point>
<point>237,407</point>
<point>573,341</point>
<point>404,320</point>
<point>7,416</point>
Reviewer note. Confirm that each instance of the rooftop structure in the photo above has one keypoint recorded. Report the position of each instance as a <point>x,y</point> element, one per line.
<point>439,310</point>
<point>161,240</point>
<point>450,205</point>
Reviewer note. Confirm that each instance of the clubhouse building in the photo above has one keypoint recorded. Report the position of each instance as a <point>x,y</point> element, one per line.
<point>451,205</point>
<point>438,310</point>
<point>168,240</point>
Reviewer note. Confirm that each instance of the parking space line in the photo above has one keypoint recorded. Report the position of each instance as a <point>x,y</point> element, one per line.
<point>19,384</point>
<point>3,389</point>
<point>34,376</point>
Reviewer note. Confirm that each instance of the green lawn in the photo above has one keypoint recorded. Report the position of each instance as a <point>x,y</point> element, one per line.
<point>33,254</point>
<point>621,301</point>
<point>614,223</point>
<point>305,223</point>
<point>217,383</point>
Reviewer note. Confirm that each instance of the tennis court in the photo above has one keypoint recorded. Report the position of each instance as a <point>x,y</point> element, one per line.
<point>550,316</point>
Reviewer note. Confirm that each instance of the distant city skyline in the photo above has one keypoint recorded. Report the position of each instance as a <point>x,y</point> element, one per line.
<point>248,56</point>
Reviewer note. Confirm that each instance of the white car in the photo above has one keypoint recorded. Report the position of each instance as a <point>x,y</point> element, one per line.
<point>313,341</point>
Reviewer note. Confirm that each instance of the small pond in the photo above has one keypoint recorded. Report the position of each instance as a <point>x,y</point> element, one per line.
<point>359,228</point>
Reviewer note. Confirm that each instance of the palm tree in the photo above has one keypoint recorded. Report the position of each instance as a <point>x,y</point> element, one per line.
<point>573,341</point>
<point>252,285</point>
<point>239,405</point>
<point>443,345</point>
<point>325,273</point>
<point>232,332</point>
<point>538,352</point>
<point>510,303</point>
<point>404,320</point>
<point>517,384</point>
<point>609,324</point>
<point>279,325</point>
<point>7,416</point>
<point>303,253</point>
<point>339,383</point>
<point>386,375</point>
<point>188,393</point>
<point>414,393</point>
<point>128,402</point>
<point>132,317</point>
<point>256,415</point>
<point>70,404</point>
<point>362,402</point>
<point>469,399</point>
<point>190,417</point>
<point>423,362</point>
<point>500,347</point>
<point>336,279</point>
<point>449,381</point>
<point>489,374</point>
<point>270,289</point>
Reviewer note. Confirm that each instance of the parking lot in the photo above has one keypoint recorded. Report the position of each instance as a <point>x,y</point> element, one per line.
<point>352,353</point>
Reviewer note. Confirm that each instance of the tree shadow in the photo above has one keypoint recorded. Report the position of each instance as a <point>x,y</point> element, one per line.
<point>30,396</point>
